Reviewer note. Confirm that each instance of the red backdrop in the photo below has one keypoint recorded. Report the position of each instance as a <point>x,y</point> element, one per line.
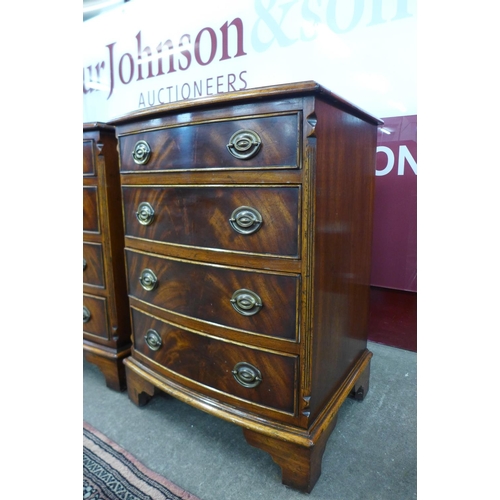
<point>394,258</point>
<point>393,299</point>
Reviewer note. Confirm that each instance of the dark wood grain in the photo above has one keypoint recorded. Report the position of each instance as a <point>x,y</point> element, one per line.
<point>204,146</point>
<point>93,273</point>
<point>343,189</point>
<point>98,323</point>
<point>90,210</point>
<point>88,158</point>
<point>210,362</point>
<point>199,216</point>
<point>106,337</point>
<point>219,331</point>
<point>204,292</point>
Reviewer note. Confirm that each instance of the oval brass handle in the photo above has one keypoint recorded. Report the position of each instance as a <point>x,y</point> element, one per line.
<point>86,315</point>
<point>145,213</point>
<point>246,302</point>
<point>153,340</point>
<point>246,374</point>
<point>84,264</point>
<point>141,152</point>
<point>244,144</point>
<point>148,279</point>
<point>245,220</point>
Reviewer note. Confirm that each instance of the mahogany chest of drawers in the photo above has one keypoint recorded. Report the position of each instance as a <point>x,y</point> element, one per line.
<point>106,319</point>
<point>248,220</point>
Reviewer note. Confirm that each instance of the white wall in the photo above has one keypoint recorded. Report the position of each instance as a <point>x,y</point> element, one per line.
<point>363,50</point>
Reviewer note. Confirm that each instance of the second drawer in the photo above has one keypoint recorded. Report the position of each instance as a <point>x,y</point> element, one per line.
<point>263,220</point>
<point>91,210</point>
<point>254,302</point>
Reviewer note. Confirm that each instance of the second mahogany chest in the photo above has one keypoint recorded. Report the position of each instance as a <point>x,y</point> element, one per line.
<point>106,318</point>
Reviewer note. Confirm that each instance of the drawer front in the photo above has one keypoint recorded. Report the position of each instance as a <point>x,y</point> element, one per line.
<point>254,302</point>
<point>262,220</point>
<point>95,318</point>
<point>211,362</point>
<point>90,209</point>
<point>264,142</point>
<point>88,158</point>
<point>93,267</point>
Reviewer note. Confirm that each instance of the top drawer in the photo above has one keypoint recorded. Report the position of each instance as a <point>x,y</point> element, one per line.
<point>264,142</point>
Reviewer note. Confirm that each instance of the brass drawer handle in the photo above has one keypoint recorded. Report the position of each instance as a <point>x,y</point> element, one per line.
<point>145,213</point>
<point>84,264</point>
<point>148,280</point>
<point>246,302</point>
<point>246,374</point>
<point>246,220</point>
<point>86,315</point>
<point>153,340</point>
<point>244,144</point>
<point>141,152</point>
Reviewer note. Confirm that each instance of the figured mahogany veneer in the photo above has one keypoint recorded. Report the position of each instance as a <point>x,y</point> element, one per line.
<point>248,220</point>
<point>198,146</point>
<point>199,217</point>
<point>206,361</point>
<point>106,319</point>
<point>204,291</point>
<point>90,209</point>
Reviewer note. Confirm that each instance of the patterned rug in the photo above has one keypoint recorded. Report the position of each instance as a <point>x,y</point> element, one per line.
<point>111,473</point>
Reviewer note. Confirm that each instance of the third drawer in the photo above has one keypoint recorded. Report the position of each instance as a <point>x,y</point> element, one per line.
<point>93,264</point>
<point>254,302</point>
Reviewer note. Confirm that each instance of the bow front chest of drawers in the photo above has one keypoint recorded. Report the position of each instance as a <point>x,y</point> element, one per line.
<point>106,318</point>
<point>248,220</point>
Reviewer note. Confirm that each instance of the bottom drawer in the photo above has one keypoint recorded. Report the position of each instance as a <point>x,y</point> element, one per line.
<point>265,378</point>
<point>95,318</point>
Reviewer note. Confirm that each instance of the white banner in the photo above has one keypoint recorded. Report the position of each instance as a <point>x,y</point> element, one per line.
<point>152,52</point>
